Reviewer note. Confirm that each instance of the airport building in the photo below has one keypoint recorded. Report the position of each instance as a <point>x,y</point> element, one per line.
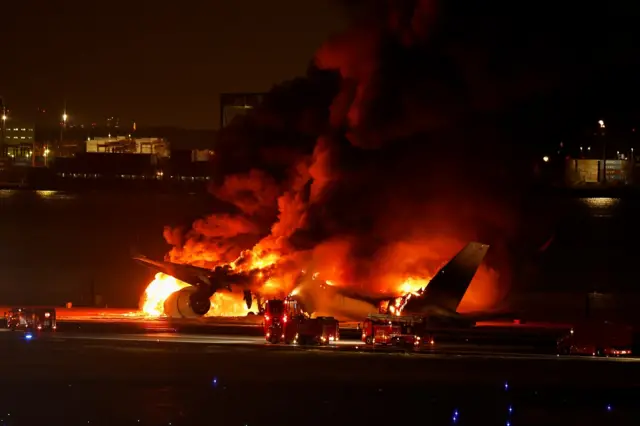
<point>591,171</point>
<point>125,145</point>
<point>18,139</point>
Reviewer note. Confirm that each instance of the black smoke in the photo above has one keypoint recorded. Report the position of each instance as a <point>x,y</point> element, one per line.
<point>424,122</point>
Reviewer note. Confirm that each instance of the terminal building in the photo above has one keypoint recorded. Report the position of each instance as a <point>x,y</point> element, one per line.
<point>126,145</point>
<point>18,140</point>
<point>579,172</point>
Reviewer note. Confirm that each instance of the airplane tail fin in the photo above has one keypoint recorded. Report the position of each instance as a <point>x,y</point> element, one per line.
<point>450,284</point>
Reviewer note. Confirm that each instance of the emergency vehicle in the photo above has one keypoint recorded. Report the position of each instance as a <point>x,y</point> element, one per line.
<point>31,319</point>
<point>19,318</point>
<point>395,330</point>
<point>44,319</point>
<point>285,321</point>
<point>597,338</point>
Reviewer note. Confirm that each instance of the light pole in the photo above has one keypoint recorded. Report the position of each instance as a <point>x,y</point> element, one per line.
<point>4,131</point>
<point>62,127</point>
<point>604,152</point>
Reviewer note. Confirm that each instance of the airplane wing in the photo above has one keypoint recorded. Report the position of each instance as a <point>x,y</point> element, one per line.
<point>206,280</point>
<point>196,276</point>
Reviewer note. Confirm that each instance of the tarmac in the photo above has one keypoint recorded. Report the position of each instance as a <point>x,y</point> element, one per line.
<point>174,379</point>
<point>111,367</point>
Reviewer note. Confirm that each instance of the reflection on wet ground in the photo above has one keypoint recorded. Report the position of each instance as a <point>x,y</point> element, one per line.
<point>601,206</point>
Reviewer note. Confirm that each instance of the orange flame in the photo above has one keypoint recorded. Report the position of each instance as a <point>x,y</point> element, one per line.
<point>229,305</point>
<point>222,304</point>
<point>157,292</point>
<point>410,287</point>
<point>399,272</point>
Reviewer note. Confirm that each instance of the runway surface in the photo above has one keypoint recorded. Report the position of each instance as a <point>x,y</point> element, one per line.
<point>156,379</point>
<point>90,314</point>
<point>345,345</point>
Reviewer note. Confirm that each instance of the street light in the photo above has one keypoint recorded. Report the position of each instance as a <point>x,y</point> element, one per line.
<point>4,131</point>
<point>545,159</point>
<point>62,127</point>
<point>604,152</point>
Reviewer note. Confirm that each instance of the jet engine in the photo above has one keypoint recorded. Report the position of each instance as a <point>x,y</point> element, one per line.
<point>190,302</point>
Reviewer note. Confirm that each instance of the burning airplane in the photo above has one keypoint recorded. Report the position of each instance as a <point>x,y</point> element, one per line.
<point>365,177</point>
<point>199,289</point>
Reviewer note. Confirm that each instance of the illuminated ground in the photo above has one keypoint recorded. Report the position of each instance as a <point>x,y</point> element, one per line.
<point>467,350</point>
<point>133,315</point>
<point>86,381</point>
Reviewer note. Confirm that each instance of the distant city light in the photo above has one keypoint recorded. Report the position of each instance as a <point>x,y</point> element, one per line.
<point>601,123</point>
<point>588,148</point>
<point>545,159</point>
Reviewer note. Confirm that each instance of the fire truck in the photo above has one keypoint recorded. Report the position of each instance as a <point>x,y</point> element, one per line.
<point>597,339</point>
<point>19,318</point>
<point>31,319</point>
<point>44,319</point>
<point>406,331</point>
<point>285,321</point>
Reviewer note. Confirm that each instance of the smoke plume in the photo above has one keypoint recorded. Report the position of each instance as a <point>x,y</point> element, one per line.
<point>377,166</point>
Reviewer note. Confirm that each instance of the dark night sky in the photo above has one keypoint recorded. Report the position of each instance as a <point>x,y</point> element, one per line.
<point>165,62</point>
<point>156,62</point>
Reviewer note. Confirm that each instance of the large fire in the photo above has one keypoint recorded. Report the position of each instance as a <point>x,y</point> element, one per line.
<point>354,174</point>
<point>225,304</point>
<point>222,304</point>
<point>157,292</point>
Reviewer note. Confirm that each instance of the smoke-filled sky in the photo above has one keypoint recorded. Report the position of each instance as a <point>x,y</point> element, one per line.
<point>415,130</point>
<point>166,62</point>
